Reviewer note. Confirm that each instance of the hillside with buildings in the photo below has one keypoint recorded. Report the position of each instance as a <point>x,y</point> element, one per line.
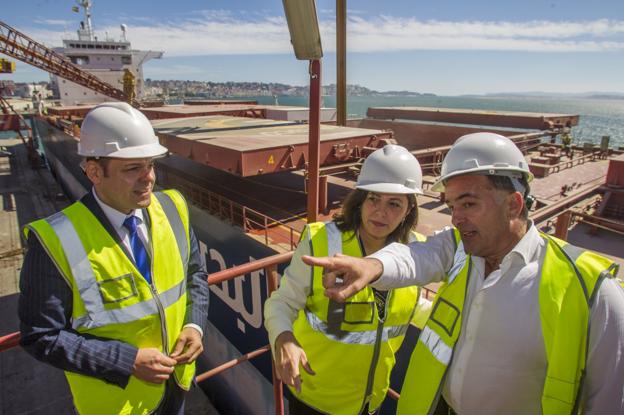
<point>203,89</point>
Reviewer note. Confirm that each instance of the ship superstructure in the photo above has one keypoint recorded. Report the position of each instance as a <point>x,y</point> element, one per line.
<point>107,59</point>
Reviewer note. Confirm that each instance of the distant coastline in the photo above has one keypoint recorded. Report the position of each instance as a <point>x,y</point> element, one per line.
<point>203,89</point>
<point>181,89</point>
<point>245,89</point>
<point>553,95</point>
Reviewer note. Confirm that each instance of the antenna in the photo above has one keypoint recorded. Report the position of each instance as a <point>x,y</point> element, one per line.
<point>124,28</point>
<point>87,32</point>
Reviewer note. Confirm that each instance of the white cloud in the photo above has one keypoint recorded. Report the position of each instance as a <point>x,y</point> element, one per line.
<point>182,71</point>
<point>54,22</point>
<point>218,32</point>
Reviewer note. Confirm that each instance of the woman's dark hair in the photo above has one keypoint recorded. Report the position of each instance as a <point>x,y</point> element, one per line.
<point>350,218</point>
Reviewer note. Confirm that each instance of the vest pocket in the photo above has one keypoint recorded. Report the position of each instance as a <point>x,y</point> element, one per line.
<point>359,312</point>
<point>445,315</point>
<point>114,290</point>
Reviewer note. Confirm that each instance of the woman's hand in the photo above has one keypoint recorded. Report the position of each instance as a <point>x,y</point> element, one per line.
<point>288,357</point>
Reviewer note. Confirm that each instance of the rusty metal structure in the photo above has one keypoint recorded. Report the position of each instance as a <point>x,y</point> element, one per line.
<point>526,120</point>
<point>21,47</point>
<point>11,120</point>
<point>178,111</point>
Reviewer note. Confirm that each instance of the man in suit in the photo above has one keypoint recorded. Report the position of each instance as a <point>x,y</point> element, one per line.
<point>113,288</point>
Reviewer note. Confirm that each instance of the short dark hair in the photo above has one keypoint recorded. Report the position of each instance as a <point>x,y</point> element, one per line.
<point>350,217</point>
<point>504,183</point>
<point>102,161</point>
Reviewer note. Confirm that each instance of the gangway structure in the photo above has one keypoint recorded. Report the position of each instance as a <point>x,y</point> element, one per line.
<point>19,46</point>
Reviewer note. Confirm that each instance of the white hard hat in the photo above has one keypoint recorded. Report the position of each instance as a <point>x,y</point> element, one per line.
<point>483,153</point>
<point>115,129</point>
<point>391,169</point>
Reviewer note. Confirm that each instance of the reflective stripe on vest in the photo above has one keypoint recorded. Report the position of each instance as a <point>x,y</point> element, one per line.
<point>433,353</point>
<point>436,345</point>
<point>566,364</point>
<point>87,283</point>
<point>176,226</point>
<point>354,337</point>
<point>561,303</point>
<point>130,313</point>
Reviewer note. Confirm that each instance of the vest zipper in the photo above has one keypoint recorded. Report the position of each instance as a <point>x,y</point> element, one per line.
<point>161,309</point>
<point>161,312</point>
<point>371,372</point>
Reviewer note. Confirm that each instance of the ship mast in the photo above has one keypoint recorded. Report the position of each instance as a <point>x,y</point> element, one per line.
<point>85,32</point>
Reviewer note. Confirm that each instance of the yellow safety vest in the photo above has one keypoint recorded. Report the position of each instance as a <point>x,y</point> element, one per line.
<point>569,280</point>
<point>111,299</point>
<point>350,350</point>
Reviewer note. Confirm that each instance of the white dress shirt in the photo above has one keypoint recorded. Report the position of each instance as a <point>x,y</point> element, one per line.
<point>499,363</point>
<point>117,218</point>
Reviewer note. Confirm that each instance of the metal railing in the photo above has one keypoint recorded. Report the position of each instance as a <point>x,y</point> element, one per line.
<point>274,231</point>
<point>269,265</point>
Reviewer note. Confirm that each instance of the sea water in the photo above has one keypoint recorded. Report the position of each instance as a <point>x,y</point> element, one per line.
<point>598,117</point>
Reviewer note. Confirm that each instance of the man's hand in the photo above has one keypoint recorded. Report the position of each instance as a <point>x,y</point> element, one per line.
<point>288,356</point>
<point>344,275</point>
<point>151,365</point>
<point>188,347</point>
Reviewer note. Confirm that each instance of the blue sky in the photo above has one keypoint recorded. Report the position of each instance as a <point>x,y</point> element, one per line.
<point>447,47</point>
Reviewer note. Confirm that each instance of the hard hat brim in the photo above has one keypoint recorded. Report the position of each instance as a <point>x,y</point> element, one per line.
<point>439,185</point>
<point>135,152</point>
<point>145,151</point>
<point>389,188</point>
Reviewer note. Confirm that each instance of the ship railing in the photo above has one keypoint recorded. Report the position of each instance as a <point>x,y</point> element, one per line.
<point>568,164</point>
<point>597,222</point>
<point>269,265</point>
<point>273,232</point>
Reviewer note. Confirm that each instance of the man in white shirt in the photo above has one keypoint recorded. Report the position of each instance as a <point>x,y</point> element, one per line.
<point>497,344</point>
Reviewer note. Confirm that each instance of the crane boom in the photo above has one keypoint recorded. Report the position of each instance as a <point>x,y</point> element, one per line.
<point>19,46</point>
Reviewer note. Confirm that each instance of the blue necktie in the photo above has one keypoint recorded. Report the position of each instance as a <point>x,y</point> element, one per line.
<point>141,258</point>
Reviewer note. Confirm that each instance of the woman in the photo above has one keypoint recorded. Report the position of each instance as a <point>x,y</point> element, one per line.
<point>337,358</point>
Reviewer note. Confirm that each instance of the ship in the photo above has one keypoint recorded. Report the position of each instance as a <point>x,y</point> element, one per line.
<point>244,168</point>
<point>109,59</point>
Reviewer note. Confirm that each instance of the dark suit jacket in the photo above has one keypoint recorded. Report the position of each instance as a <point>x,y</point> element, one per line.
<point>45,310</point>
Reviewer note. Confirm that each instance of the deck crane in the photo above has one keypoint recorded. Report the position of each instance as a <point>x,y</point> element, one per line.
<point>19,46</point>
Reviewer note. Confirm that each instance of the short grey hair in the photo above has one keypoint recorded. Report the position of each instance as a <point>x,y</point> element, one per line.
<point>511,185</point>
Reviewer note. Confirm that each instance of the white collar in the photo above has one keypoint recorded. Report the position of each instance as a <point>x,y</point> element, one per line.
<point>527,247</point>
<point>115,217</point>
